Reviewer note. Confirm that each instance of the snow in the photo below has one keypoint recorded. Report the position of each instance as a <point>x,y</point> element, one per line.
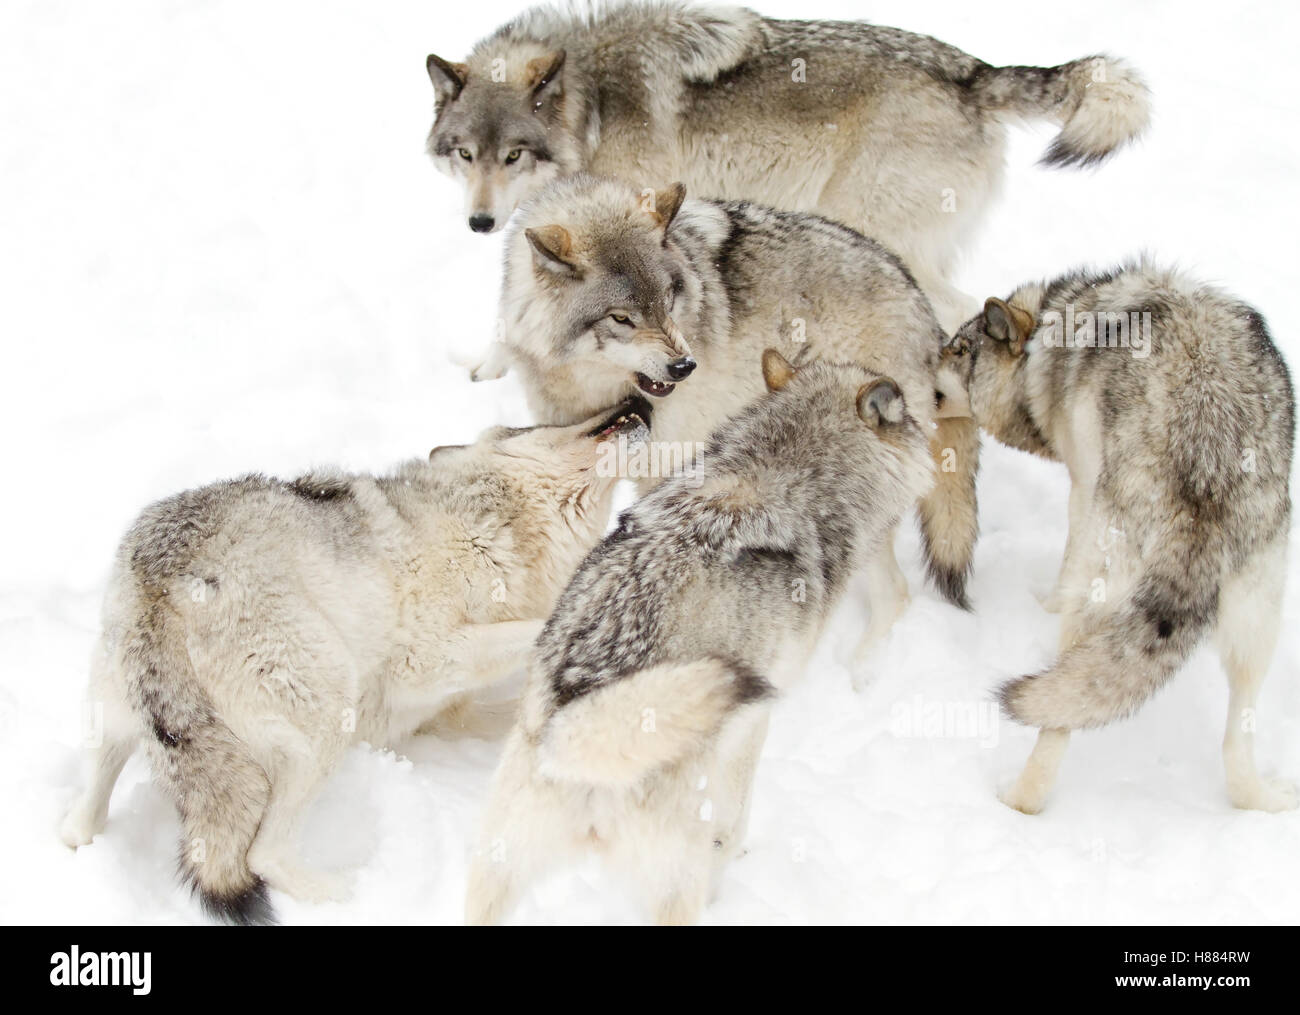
<point>224,250</point>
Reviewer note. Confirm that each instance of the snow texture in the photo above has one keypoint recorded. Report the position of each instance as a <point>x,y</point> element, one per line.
<point>224,250</point>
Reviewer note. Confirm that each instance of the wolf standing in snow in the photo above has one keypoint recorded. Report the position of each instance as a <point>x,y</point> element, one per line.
<point>1174,413</point>
<point>610,292</point>
<point>643,716</point>
<point>254,628</point>
<point>898,135</point>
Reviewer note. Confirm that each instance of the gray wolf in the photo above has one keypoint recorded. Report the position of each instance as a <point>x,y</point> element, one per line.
<point>609,292</point>
<point>1174,413</point>
<point>898,135</point>
<point>645,712</point>
<point>256,627</point>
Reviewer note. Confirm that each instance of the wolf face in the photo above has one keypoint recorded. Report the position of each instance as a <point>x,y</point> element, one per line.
<point>547,463</point>
<point>619,287</point>
<point>494,132</point>
<point>977,369</point>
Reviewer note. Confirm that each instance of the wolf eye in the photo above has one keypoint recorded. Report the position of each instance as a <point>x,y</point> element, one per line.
<point>513,155</point>
<point>621,318</point>
<point>464,154</point>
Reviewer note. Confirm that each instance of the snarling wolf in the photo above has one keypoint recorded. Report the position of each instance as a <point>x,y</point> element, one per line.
<point>255,628</point>
<point>898,135</point>
<point>645,709</point>
<point>610,292</point>
<point>1174,413</point>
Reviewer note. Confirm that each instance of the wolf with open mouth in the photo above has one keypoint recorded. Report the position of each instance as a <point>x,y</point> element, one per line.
<point>255,628</point>
<point>611,291</point>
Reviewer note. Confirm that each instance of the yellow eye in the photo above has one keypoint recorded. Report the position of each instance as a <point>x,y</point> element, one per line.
<point>513,156</point>
<point>464,154</point>
<point>621,318</point>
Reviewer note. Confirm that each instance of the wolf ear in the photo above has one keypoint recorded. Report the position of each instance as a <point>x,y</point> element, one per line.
<point>448,78</point>
<point>1008,324</point>
<point>543,78</point>
<point>668,203</point>
<point>777,370</point>
<point>880,403</point>
<point>553,250</point>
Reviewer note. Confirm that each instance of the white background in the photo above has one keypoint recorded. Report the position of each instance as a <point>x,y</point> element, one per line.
<point>222,249</point>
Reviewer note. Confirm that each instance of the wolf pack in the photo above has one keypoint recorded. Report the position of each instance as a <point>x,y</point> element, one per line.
<point>731,238</point>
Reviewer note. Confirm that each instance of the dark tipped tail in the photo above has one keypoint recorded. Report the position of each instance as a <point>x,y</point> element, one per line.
<point>217,784</point>
<point>1101,104</point>
<point>1121,659</point>
<point>949,513</point>
<point>250,907</point>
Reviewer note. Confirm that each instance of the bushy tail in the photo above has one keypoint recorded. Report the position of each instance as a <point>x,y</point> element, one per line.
<point>1101,104</point>
<point>949,513</point>
<point>1122,657</point>
<point>220,789</point>
<point>620,732</point>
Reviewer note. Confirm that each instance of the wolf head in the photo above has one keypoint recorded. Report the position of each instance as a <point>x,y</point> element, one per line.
<point>500,128</point>
<point>540,496</point>
<point>877,401</point>
<point>829,440</point>
<point>978,368</point>
<point>599,300</point>
<point>559,461</point>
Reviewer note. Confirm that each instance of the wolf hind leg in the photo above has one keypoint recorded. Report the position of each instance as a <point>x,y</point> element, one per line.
<point>1249,617</point>
<point>737,778</point>
<point>112,735</point>
<point>275,853</point>
<point>1029,792</point>
<point>672,864</point>
<point>524,832</point>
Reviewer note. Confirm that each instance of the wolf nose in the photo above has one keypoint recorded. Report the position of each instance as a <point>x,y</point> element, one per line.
<point>481,223</point>
<point>679,369</point>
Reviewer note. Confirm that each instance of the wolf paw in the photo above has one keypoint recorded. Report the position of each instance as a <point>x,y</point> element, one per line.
<point>1018,799</point>
<point>78,828</point>
<point>862,671</point>
<point>494,366</point>
<point>1052,602</point>
<point>306,884</point>
<point>486,372</point>
<point>1272,795</point>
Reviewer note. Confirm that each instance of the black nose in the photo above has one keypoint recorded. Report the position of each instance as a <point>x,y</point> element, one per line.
<point>681,368</point>
<point>482,223</point>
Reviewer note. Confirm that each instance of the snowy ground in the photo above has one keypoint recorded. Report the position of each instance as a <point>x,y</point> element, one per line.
<point>222,249</point>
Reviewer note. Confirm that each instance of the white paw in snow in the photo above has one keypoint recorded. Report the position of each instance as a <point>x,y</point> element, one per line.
<point>1272,795</point>
<point>1051,602</point>
<point>78,828</point>
<point>1019,800</point>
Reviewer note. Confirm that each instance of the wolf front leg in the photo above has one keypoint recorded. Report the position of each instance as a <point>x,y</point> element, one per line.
<point>887,600</point>
<point>490,652</point>
<point>496,364</point>
<point>1029,792</point>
